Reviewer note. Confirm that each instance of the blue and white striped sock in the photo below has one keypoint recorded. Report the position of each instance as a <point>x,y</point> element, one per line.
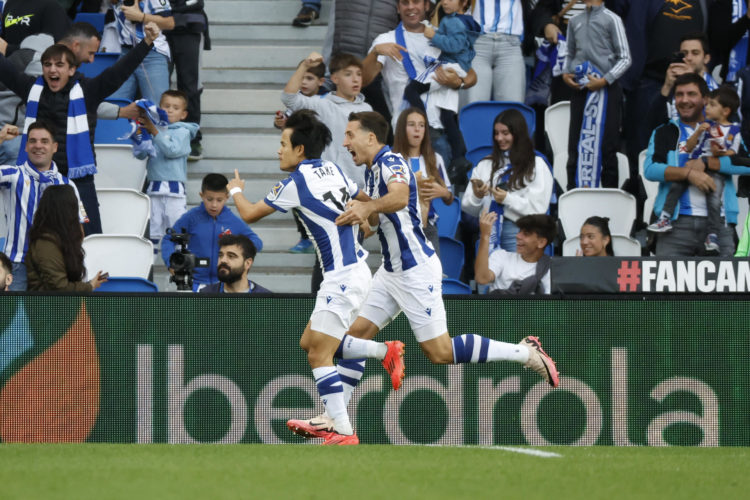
<point>332,394</point>
<point>472,348</point>
<point>350,372</point>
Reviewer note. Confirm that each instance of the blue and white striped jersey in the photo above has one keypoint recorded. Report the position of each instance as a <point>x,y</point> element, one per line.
<point>21,188</point>
<point>132,33</point>
<point>401,237</point>
<point>319,191</point>
<point>499,16</point>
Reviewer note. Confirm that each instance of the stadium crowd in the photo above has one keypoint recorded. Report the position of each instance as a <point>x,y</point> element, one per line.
<point>657,93</point>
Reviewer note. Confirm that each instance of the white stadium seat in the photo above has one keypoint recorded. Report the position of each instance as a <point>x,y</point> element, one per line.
<point>577,205</point>
<point>622,245</point>
<point>119,255</point>
<point>123,211</point>
<point>118,168</point>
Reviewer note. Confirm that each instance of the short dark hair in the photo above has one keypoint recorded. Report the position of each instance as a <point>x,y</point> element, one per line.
<point>5,263</point>
<point>692,78</point>
<point>342,61</point>
<point>699,36</point>
<point>308,131</point>
<point>214,182</point>
<point>318,70</point>
<point>372,121</point>
<point>59,51</point>
<point>82,30</point>
<point>178,94</point>
<point>242,241</point>
<point>541,224</point>
<point>727,97</point>
<point>44,125</point>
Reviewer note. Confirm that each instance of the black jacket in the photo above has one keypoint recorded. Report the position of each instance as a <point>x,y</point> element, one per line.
<point>22,18</point>
<point>53,106</point>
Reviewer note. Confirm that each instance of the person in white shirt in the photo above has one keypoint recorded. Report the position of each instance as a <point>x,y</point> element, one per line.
<point>521,272</point>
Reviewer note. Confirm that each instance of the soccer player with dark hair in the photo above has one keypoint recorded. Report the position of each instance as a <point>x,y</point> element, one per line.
<point>319,191</point>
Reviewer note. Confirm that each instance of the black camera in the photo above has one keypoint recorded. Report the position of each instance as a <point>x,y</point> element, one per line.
<point>677,57</point>
<point>182,261</point>
<point>129,3</point>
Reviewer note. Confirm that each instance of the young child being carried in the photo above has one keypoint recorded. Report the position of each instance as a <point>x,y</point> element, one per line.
<point>717,136</point>
<point>455,38</point>
<point>166,170</point>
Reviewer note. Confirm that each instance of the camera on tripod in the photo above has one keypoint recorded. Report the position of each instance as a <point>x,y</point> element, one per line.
<point>182,261</point>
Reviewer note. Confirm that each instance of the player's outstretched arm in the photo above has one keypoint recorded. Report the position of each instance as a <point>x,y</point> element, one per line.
<point>249,211</point>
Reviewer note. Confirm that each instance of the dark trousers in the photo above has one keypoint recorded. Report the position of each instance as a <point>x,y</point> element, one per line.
<point>610,141</point>
<point>715,222</point>
<point>185,48</point>
<point>87,192</point>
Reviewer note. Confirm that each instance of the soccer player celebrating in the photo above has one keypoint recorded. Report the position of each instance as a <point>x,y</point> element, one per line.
<point>410,278</point>
<point>318,191</point>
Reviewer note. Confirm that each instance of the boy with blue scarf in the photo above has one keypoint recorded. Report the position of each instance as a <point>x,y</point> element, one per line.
<point>598,55</point>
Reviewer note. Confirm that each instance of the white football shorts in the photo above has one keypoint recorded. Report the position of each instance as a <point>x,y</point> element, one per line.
<point>342,293</point>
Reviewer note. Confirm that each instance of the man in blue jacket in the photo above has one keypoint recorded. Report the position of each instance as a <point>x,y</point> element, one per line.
<point>205,224</point>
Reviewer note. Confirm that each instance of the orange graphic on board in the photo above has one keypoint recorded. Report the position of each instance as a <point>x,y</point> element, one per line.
<point>674,7</point>
<point>55,397</point>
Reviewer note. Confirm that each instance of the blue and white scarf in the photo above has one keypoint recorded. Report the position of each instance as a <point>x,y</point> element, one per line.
<point>502,175</point>
<point>738,55</point>
<point>431,64</point>
<point>551,56</point>
<point>142,140</point>
<point>589,168</point>
<point>78,141</point>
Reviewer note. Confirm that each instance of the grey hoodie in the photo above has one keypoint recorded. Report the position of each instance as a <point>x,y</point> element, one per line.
<point>334,112</point>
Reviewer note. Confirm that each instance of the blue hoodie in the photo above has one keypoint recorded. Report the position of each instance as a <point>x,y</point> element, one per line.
<point>172,150</point>
<point>204,242</point>
<point>455,38</point>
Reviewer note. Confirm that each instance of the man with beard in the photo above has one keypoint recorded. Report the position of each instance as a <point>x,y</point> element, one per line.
<point>668,161</point>
<point>236,255</point>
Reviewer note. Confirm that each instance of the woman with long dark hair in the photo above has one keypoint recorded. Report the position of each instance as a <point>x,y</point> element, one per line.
<point>596,239</point>
<point>513,181</point>
<point>411,139</point>
<point>55,257</point>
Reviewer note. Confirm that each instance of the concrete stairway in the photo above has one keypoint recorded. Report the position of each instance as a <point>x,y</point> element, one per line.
<point>255,50</point>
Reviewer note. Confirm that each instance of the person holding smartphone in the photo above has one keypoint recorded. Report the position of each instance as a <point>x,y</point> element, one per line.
<point>512,182</point>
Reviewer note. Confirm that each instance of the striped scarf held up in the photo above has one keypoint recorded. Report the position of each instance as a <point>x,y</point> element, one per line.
<point>78,142</point>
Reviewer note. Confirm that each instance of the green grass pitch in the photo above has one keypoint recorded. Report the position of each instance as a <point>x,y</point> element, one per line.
<point>140,472</point>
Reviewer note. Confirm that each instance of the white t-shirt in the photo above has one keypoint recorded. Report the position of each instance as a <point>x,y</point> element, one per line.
<point>395,75</point>
<point>509,267</point>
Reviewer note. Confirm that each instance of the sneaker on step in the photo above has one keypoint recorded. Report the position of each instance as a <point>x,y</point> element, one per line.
<point>305,17</point>
<point>394,362</point>
<point>196,151</point>
<point>316,427</point>
<point>540,362</point>
<point>334,438</point>
<point>303,246</point>
<point>712,243</point>
<point>663,225</point>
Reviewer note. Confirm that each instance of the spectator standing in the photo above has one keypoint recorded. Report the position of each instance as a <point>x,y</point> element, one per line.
<point>524,271</point>
<point>21,188</point>
<point>22,18</point>
<point>309,12</point>
<point>512,182</point>
<point>6,272</point>
<point>728,24</point>
<point>151,77</point>
<point>166,170</point>
<point>598,55</point>
<point>236,255</point>
<point>667,161</point>
<point>55,258</point>
<point>205,224</point>
<point>412,141</point>
<point>499,65</point>
<point>190,29</point>
<point>70,103</point>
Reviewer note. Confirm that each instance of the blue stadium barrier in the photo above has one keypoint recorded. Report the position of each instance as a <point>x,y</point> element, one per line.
<point>448,216</point>
<point>93,18</point>
<point>455,287</point>
<point>451,257</point>
<point>475,121</point>
<point>102,61</point>
<point>121,284</point>
<point>110,131</point>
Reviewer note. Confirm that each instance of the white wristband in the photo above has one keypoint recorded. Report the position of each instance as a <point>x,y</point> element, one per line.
<point>234,191</point>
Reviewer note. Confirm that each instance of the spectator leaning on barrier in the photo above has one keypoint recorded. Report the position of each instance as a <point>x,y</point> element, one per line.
<point>236,256</point>
<point>6,272</point>
<point>668,161</point>
<point>205,224</point>
<point>524,271</point>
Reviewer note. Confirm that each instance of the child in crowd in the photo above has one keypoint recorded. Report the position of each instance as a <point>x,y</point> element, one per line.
<point>205,223</point>
<point>455,38</point>
<point>312,80</point>
<point>718,136</point>
<point>6,272</point>
<point>333,108</point>
<point>166,171</point>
